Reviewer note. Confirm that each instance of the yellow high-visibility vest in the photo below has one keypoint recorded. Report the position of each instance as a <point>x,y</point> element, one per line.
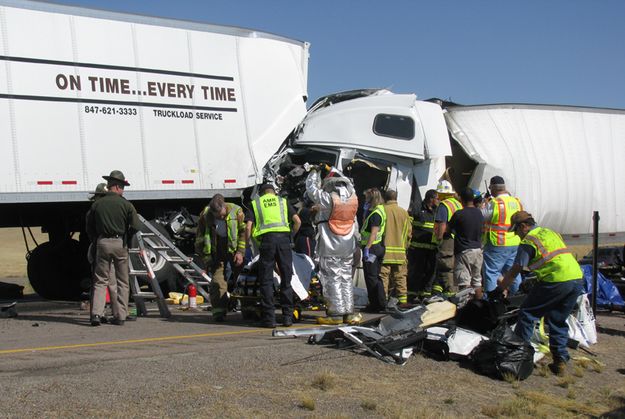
<point>553,261</point>
<point>271,215</point>
<point>366,234</point>
<point>496,229</point>
<point>452,205</point>
<point>232,224</point>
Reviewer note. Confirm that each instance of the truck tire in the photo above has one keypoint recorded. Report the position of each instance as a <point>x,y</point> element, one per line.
<point>166,274</point>
<point>57,271</point>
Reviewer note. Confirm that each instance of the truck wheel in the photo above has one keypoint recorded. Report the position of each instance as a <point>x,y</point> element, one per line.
<point>56,270</point>
<point>166,274</point>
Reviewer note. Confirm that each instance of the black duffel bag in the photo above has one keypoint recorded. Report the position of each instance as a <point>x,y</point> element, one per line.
<point>504,356</point>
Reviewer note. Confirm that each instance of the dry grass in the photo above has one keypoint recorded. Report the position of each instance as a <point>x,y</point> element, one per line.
<point>514,407</point>
<point>13,255</point>
<point>578,371</point>
<point>542,370</point>
<point>544,405</point>
<point>565,381</point>
<point>370,405</point>
<point>553,400</point>
<point>307,403</point>
<point>326,380</point>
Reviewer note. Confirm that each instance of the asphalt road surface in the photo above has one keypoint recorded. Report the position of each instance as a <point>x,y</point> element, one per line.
<point>54,364</point>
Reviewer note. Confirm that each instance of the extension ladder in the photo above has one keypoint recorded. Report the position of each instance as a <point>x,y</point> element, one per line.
<point>183,264</point>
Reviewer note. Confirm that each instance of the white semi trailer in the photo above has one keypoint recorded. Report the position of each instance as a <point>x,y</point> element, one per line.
<point>184,109</point>
<point>187,110</point>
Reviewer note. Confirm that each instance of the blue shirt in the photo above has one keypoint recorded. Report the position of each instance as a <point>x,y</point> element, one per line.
<point>441,214</point>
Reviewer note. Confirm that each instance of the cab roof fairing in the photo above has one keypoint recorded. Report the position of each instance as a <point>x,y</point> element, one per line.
<point>349,124</point>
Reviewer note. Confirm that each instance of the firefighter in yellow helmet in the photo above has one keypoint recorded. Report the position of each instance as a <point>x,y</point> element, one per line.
<point>448,205</point>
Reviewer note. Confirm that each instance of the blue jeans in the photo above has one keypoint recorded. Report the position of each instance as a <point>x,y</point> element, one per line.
<point>497,261</point>
<point>554,301</point>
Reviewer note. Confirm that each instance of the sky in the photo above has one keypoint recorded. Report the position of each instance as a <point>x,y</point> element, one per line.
<point>561,52</point>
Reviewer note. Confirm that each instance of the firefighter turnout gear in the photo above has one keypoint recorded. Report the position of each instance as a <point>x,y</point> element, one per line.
<point>398,230</point>
<point>422,252</point>
<point>218,239</point>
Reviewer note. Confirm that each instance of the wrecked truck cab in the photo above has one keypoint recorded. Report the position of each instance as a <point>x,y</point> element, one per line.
<point>378,138</point>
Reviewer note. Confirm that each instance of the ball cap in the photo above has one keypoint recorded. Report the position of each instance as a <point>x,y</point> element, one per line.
<point>266,186</point>
<point>497,180</point>
<point>519,217</point>
<point>117,176</point>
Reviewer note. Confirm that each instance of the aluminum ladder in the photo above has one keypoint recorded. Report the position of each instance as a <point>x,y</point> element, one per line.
<point>138,295</point>
<point>184,265</point>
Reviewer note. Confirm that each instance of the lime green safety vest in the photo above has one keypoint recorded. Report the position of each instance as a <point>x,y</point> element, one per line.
<point>271,215</point>
<point>452,205</point>
<point>366,234</point>
<point>232,224</point>
<point>496,230</point>
<point>553,261</point>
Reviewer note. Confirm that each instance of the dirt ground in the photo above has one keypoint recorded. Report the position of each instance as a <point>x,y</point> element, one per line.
<point>52,364</point>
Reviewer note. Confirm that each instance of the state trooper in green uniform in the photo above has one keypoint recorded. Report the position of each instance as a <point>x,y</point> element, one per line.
<point>269,224</point>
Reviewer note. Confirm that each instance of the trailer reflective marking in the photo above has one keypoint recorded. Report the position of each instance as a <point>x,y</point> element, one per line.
<point>129,341</point>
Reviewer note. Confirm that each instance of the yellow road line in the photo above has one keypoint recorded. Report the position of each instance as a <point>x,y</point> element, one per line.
<point>129,341</point>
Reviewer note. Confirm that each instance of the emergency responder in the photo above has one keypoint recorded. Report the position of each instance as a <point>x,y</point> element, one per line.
<point>397,236</point>
<point>559,284</point>
<point>466,224</point>
<point>422,251</point>
<point>500,245</point>
<point>99,192</point>
<point>112,220</point>
<point>372,235</point>
<point>220,239</point>
<point>268,223</point>
<point>448,205</point>
<point>305,241</point>
<point>337,205</point>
